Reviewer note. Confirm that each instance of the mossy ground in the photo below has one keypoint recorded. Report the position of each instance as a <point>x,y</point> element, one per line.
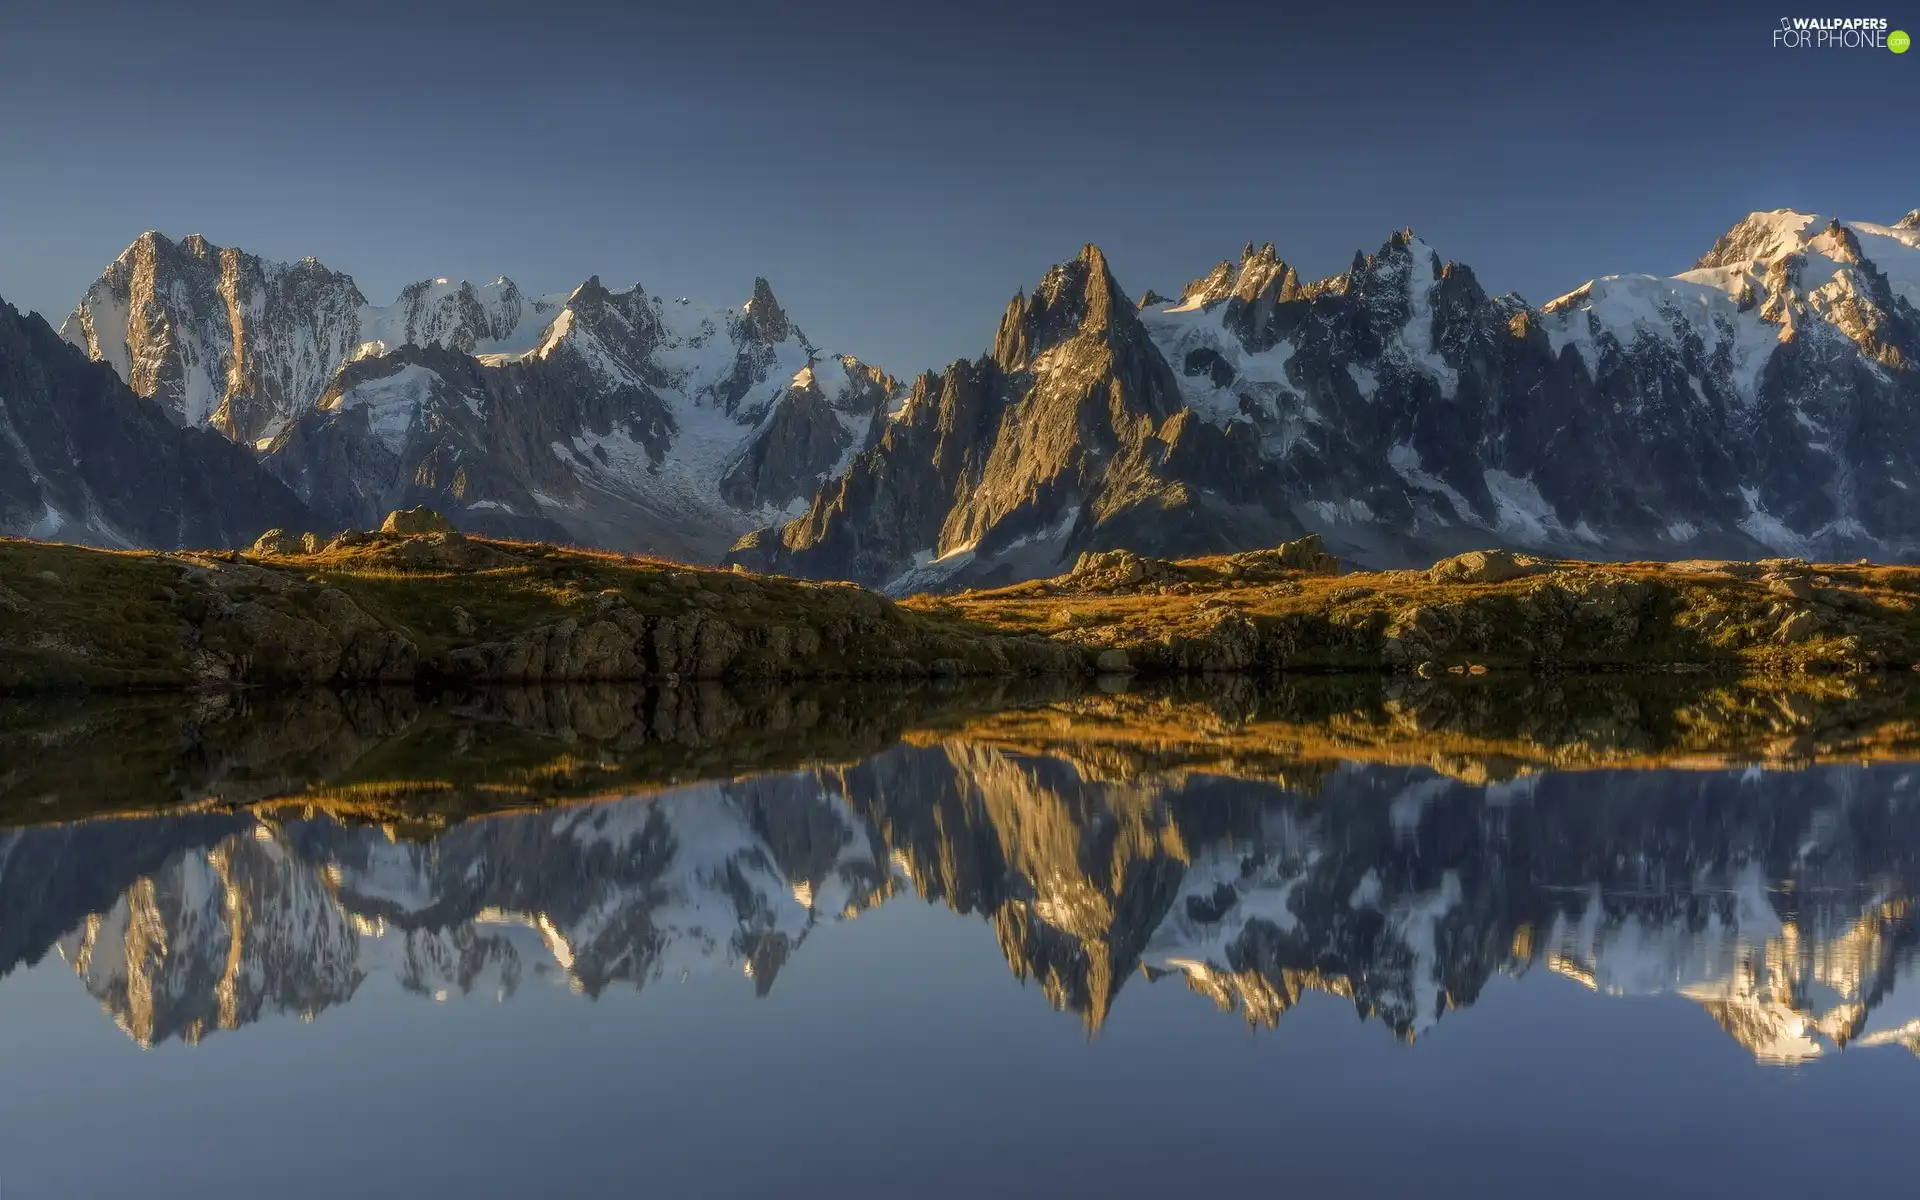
<point>83,616</point>
<point>76,617</point>
<point>79,617</point>
<point>1682,615</point>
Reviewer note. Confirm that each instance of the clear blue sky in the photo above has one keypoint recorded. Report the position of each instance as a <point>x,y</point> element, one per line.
<point>897,170</point>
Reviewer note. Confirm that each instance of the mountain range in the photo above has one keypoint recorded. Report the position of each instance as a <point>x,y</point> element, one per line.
<point>1762,403</point>
<point>605,418</point>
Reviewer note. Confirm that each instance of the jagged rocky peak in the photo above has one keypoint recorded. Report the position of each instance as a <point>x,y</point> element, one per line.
<point>1216,285</point>
<point>1070,435</point>
<point>1075,297</point>
<point>1263,275</point>
<point>592,298</point>
<point>245,345</point>
<point>1404,267</point>
<point>762,318</point>
<point>1910,221</point>
<point>1259,274</point>
<point>1266,303</point>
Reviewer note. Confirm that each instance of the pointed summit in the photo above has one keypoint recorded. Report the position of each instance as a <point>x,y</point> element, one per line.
<point>765,321</point>
<point>1215,285</point>
<point>149,241</point>
<point>1910,221</point>
<point>1073,298</point>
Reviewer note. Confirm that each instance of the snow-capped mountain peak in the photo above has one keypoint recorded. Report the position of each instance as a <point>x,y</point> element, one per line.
<point>1761,237</point>
<point>217,336</point>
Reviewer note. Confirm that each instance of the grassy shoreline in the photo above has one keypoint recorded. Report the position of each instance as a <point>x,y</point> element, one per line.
<point>442,608</point>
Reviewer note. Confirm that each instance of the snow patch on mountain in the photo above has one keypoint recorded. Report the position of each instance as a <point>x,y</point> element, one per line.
<point>1189,335</point>
<point>1405,461</point>
<point>394,403</point>
<point>1767,529</point>
<point>1617,313</point>
<point>493,318</point>
<point>1523,514</point>
<point>1423,272</point>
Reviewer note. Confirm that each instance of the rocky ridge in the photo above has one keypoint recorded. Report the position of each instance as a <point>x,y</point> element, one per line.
<point>1478,611</point>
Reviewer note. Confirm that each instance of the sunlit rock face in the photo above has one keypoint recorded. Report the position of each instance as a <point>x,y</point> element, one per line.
<point>1781,902</point>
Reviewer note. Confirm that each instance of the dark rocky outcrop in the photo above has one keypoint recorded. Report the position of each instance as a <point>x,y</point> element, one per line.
<point>84,459</point>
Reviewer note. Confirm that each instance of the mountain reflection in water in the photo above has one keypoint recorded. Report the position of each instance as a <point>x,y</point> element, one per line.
<point>1756,852</point>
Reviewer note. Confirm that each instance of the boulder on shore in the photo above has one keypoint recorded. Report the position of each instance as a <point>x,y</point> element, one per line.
<point>410,521</point>
<point>275,542</point>
<point>1484,566</point>
<point>1115,569</point>
<point>1306,555</point>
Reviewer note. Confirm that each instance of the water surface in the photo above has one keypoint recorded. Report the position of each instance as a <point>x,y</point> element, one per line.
<point>954,944</point>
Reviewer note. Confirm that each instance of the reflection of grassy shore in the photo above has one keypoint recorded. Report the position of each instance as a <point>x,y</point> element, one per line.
<point>392,756</point>
<point>1478,729</point>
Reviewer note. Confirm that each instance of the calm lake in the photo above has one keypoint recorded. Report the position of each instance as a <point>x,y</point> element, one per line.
<point>1578,940</point>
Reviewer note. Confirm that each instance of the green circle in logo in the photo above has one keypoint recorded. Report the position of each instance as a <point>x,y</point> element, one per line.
<point>1898,41</point>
